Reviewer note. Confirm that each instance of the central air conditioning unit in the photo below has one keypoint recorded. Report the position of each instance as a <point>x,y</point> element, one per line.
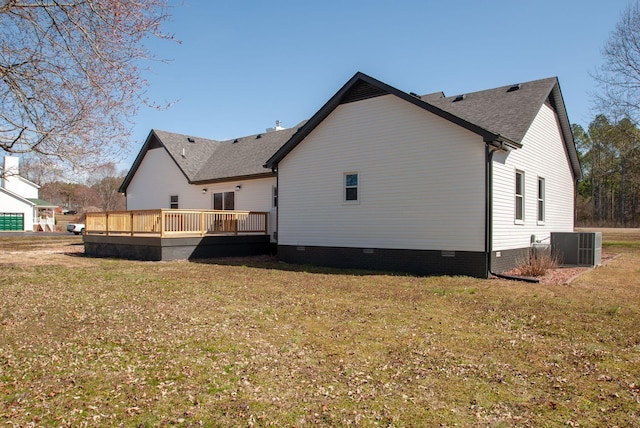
<point>577,248</point>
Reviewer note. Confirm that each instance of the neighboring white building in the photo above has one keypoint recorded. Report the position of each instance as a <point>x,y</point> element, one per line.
<point>20,207</point>
<point>379,178</point>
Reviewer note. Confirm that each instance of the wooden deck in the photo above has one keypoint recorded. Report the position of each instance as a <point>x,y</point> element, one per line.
<point>166,223</point>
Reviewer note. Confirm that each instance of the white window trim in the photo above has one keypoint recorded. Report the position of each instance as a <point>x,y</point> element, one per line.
<point>542,199</point>
<point>522,198</point>
<point>344,188</point>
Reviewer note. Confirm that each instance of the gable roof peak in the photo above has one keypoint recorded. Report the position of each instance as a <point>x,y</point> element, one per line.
<point>501,114</point>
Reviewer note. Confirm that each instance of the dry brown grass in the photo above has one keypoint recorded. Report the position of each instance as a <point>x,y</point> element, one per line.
<point>251,342</point>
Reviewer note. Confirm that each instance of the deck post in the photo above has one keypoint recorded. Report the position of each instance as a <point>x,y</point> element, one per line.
<point>202,227</point>
<point>235,224</point>
<point>131,215</point>
<point>162,223</point>
<point>106,223</point>
<point>266,223</point>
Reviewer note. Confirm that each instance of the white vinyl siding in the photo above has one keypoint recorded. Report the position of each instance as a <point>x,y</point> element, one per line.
<point>420,181</point>
<point>21,186</point>
<point>158,177</point>
<point>542,155</point>
<point>13,182</point>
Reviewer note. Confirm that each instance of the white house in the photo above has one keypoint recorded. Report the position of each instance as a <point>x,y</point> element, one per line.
<point>380,178</point>
<point>20,207</point>
<point>187,172</point>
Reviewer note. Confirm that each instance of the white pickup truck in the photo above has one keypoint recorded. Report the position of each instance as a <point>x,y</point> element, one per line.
<point>75,228</point>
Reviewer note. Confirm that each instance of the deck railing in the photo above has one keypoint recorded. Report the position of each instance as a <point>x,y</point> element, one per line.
<point>173,222</point>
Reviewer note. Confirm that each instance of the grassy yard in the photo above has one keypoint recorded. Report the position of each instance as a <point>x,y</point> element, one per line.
<point>101,342</point>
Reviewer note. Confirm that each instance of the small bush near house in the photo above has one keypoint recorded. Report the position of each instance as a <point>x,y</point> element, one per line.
<point>538,263</point>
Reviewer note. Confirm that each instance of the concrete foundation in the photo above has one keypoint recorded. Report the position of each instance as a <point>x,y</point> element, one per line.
<point>163,249</point>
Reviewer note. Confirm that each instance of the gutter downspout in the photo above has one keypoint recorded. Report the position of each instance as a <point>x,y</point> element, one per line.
<point>277,207</point>
<point>490,150</point>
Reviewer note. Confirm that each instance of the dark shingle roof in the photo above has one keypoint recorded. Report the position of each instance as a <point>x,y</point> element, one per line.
<point>243,157</point>
<point>188,155</point>
<point>203,160</point>
<point>507,111</point>
<point>498,115</point>
<point>502,115</point>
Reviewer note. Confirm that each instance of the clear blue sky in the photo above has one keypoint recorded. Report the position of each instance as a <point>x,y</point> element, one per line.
<point>242,65</point>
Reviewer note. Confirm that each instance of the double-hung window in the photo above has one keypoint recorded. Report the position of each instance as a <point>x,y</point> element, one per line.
<point>540,200</point>
<point>519,197</point>
<point>173,202</point>
<point>351,187</point>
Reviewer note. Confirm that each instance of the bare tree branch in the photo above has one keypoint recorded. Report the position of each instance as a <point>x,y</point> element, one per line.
<point>619,77</point>
<point>70,77</point>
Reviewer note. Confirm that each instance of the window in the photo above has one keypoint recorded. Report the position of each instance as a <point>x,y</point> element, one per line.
<point>224,201</point>
<point>173,202</point>
<point>540,200</point>
<point>519,196</point>
<point>274,195</point>
<point>351,187</point>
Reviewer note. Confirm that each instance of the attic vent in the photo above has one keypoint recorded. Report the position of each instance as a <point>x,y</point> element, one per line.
<point>258,136</point>
<point>460,98</point>
<point>191,140</point>
<point>235,141</point>
<point>362,91</point>
<point>514,87</point>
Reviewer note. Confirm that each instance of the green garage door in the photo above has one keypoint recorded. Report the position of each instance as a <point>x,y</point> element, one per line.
<point>11,221</point>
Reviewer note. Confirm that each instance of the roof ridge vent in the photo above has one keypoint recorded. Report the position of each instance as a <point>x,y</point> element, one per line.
<point>515,87</point>
<point>413,94</point>
<point>460,98</point>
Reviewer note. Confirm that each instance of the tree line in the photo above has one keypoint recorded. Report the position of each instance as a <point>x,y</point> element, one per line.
<point>609,148</point>
<point>609,193</point>
<point>99,191</point>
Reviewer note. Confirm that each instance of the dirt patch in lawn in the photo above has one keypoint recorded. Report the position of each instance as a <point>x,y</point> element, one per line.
<point>36,251</point>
